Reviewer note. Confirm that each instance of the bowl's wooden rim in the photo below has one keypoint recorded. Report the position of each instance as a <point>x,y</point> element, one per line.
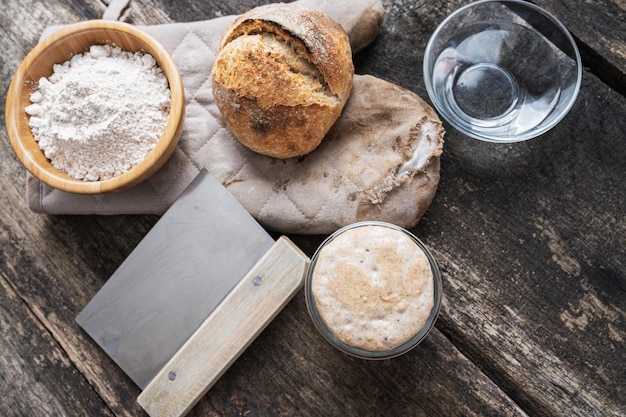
<point>26,148</point>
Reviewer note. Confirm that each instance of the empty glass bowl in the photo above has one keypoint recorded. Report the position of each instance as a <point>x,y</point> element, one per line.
<point>502,70</point>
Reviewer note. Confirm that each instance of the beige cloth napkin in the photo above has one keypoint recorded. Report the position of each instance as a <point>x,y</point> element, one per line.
<point>380,160</point>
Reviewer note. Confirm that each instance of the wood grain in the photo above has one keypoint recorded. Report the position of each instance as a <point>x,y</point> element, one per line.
<point>599,29</point>
<point>37,378</point>
<point>529,239</point>
<point>522,232</point>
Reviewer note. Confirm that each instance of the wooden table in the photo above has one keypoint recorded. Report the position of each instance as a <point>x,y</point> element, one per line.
<point>530,239</point>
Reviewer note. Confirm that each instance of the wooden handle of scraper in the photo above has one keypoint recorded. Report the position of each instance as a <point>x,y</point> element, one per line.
<point>227,332</point>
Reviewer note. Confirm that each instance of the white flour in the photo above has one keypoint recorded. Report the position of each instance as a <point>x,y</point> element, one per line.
<point>100,113</point>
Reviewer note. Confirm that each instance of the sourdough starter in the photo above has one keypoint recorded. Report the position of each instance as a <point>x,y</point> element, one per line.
<point>373,287</point>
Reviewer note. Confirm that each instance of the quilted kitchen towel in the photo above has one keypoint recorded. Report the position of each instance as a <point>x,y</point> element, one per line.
<point>380,161</point>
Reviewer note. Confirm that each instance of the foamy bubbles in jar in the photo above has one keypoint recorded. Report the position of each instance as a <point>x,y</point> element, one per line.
<point>373,290</point>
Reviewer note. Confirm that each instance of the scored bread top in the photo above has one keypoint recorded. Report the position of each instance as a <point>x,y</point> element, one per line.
<point>308,34</point>
<point>266,67</point>
<point>282,76</point>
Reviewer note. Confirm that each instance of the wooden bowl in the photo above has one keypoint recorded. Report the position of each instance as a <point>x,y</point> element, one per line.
<point>58,48</point>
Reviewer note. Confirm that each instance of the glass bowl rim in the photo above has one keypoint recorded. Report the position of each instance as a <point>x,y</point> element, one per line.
<point>533,133</point>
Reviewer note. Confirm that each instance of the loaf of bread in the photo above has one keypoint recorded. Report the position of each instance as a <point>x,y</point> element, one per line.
<point>281,78</point>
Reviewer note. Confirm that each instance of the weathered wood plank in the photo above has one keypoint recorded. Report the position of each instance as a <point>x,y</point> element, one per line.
<point>55,265</point>
<point>599,28</point>
<point>37,378</point>
<point>69,258</point>
<point>550,271</point>
<point>530,239</point>
<point>284,372</point>
<point>34,248</point>
<point>291,370</point>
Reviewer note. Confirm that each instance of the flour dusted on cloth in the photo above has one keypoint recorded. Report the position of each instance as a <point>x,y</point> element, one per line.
<point>101,112</point>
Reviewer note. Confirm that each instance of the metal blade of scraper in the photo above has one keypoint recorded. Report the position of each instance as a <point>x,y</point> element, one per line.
<point>177,275</point>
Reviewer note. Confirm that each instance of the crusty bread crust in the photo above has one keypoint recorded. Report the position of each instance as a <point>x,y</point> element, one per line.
<point>282,77</point>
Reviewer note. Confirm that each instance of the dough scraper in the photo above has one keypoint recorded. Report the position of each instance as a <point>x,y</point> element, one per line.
<point>192,296</point>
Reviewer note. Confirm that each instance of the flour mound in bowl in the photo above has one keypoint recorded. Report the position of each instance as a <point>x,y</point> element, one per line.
<point>101,112</point>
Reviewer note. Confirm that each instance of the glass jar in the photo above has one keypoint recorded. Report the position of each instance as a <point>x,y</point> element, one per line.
<point>373,290</point>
